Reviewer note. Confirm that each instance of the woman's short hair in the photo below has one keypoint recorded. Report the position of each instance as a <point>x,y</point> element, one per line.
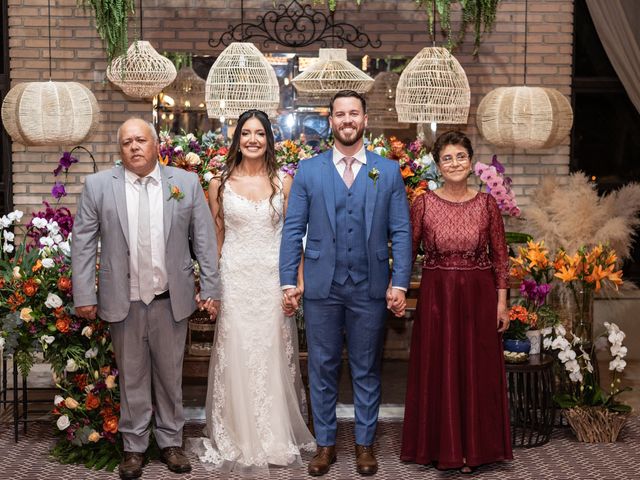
<point>452,137</point>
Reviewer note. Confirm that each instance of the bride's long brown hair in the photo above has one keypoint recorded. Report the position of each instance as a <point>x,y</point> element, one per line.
<point>234,158</point>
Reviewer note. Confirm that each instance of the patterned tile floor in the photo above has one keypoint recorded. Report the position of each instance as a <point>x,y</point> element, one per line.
<point>562,458</point>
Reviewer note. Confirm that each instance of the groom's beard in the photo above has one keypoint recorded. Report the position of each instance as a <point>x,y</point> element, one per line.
<point>348,139</point>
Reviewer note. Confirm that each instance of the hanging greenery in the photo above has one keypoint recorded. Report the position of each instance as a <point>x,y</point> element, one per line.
<point>111,23</point>
<point>481,14</point>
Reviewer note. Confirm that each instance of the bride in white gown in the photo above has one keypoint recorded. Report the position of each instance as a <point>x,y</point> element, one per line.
<point>254,394</point>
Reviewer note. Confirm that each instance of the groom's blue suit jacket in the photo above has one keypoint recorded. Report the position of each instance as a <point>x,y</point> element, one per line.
<point>312,210</point>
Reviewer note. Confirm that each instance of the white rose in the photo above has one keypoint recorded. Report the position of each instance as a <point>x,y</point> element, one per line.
<point>208,176</point>
<point>91,353</point>
<point>432,185</point>
<point>72,366</point>
<point>16,273</point>
<point>48,339</point>
<point>9,236</point>
<point>87,331</point>
<point>53,301</point>
<point>57,400</point>
<point>48,263</point>
<point>63,422</point>
<point>193,159</point>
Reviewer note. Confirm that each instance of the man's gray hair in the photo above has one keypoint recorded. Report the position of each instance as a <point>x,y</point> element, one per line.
<point>152,130</point>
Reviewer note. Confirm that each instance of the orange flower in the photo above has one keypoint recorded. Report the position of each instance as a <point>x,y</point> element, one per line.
<point>106,412</point>
<point>406,172</point>
<point>63,323</point>
<point>567,274</point>
<point>110,424</point>
<point>80,380</point>
<point>15,300</point>
<point>59,312</point>
<point>595,276</point>
<point>518,312</point>
<point>30,287</point>
<point>1,282</point>
<point>163,160</point>
<point>92,402</point>
<point>37,266</point>
<point>614,277</point>
<point>64,284</point>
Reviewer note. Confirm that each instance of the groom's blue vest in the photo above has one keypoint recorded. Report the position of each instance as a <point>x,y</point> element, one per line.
<point>351,238</point>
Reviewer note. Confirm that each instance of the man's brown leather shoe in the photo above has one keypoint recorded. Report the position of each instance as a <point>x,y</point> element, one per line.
<point>366,462</point>
<point>322,460</point>
<point>131,465</point>
<point>175,459</point>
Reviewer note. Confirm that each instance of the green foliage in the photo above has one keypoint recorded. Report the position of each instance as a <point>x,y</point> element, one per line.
<point>111,23</point>
<point>517,237</point>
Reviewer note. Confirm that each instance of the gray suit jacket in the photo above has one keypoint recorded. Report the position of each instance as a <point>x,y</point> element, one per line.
<point>102,216</point>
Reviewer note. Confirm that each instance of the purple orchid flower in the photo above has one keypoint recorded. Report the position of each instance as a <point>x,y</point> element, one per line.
<point>65,162</point>
<point>58,191</point>
<point>495,163</point>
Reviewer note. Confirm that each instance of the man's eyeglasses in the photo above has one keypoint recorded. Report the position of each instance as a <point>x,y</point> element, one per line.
<point>460,157</point>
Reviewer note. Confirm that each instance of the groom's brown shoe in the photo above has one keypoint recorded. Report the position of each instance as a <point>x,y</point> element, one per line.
<point>131,465</point>
<point>175,459</point>
<point>366,462</point>
<point>322,460</point>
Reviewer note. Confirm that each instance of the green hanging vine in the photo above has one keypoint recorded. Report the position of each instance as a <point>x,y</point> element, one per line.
<point>111,23</point>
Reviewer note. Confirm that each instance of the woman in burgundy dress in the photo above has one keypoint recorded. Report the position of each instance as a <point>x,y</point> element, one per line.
<point>456,412</point>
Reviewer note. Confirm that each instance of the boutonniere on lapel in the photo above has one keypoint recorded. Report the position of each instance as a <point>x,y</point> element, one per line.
<point>175,193</point>
<point>374,174</point>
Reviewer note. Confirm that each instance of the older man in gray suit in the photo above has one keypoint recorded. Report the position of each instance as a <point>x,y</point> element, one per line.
<point>144,216</point>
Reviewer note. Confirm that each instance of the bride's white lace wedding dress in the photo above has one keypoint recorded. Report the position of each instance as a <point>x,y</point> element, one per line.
<point>255,394</point>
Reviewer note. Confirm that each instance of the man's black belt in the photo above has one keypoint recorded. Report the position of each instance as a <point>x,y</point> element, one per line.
<point>162,296</point>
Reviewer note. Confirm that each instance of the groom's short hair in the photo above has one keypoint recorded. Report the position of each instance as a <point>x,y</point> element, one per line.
<point>348,93</point>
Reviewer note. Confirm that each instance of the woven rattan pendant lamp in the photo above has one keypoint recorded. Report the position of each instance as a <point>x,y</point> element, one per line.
<point>239,80</point>
<point>524,117</point>
<point>187,89</point>
<point>381,101</point>
<point>49,113</point>
<point>332,73</point>
<point>141,72</point>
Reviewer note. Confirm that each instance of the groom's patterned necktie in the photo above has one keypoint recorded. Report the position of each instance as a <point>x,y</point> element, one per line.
<point>145,267</point>
<point>347,176</point>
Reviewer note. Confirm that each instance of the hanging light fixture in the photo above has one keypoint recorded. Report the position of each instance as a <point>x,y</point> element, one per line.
<point>241,79</point>
<point>49,113</point>
<point>141,72</point>
<point>524,117</point>
<point>187,90</point>
<point>381,101</point>
<point>331,73</point>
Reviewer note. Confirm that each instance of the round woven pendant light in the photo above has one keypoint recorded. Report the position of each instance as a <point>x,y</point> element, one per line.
<point>49,113</point>
<point>187,89</point>
<point>381,102</point>
<point>331,73</point>
<point>141,72</point>
<point>524,117</point>
<point>239,80</point>
<point>433,88</point>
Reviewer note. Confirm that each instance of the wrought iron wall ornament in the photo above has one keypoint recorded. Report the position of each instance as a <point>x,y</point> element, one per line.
<point>295,26</point>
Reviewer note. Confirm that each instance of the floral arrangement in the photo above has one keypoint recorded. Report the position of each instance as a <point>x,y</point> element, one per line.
<point>493,179</point>
<point>577,362</point>
<point>290,152</point>
<point>37,315</point>
<point>204,156</point>
<point>418,169</point>
<point>521,320</point>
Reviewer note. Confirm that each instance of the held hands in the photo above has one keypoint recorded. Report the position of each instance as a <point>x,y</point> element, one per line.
<point>291,300</point>
<point>396,301</point>
<point>503,318</point>
<point>210,305</point>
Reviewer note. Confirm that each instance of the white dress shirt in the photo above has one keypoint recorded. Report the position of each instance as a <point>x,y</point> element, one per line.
<point>154,189</point>
<point>360,156</point>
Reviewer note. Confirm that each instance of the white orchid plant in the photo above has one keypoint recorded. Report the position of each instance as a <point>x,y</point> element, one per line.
<point>571,353</point>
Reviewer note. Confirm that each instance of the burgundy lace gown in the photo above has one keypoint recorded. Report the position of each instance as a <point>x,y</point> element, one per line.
<point>456,403</point>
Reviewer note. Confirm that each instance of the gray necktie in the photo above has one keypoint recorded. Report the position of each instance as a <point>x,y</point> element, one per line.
<point>347,176</point>
<point>145,267</point>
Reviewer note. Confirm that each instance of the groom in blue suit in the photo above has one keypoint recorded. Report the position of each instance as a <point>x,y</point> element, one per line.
<point>350,203</point>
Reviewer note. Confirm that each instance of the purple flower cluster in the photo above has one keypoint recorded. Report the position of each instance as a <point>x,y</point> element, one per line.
<point>498,185</point>
<point>534,293</point>
<point>61,215</point>
<point>64,163</point>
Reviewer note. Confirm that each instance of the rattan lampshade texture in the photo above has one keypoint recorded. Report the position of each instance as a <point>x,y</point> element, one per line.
<point>524,117</point>
<point>239,80</point>
<point>187,89</point>
<point>142,72</point>
<point>433,88</point>
<point>331,73</point>
<point>381,102</point>
<point>49,113</point>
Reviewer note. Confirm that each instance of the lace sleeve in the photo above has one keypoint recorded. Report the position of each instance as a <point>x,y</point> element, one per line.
<point>498,252</point>
<point>417,216</point>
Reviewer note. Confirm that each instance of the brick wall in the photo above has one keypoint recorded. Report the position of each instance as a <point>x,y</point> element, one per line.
<point>186,25</point>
